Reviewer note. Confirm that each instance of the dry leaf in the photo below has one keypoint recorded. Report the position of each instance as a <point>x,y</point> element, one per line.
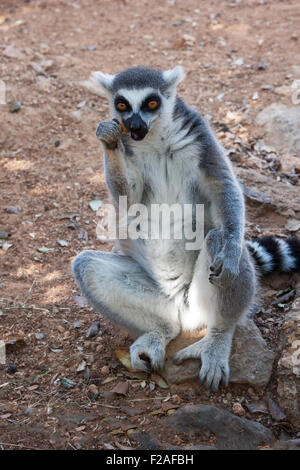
<point>81,366</point>
<point>160,382</point>
<point>131,411</point>
<point>80,428</point>
<point>171,411</point>
<point>168,406</point>
<point>109,379</point>
<point>121,388</point>
<point>120,446</point>
<point>116,431</point>
<point>124,357</point>
<point>160,411</point>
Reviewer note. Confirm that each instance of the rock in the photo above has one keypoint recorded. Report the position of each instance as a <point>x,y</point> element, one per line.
<point>12,368</point>
<point>4,235</point>
<point>81,301</point>
<point>62,243</point>
<point>238,62</point>
<point>282,127</point>
<point>13,210</point>
<point>76,324</point>
<point>275,411</point>
<point>104,370</point>
<point>283,90</point>
<point>284,197</point>
<point>67,383</point>
<point>12,53</point>
<point>39,336</point>
<point>266,87</point>
<point>290,164</point>
<point>288,370</point>
<point>44,48</point>
<point>238,409</point>
<point>93,330</point>
<point>232,432</point>
<point>251,361</point>
<point>72,225</point>
<point>262,65</point>
<point>95,204</point>
<point>293,225</point>
<point>5,246</point>
<point>76,115</point>
<point>28,411</point>
<point>255,196</point>
<point>145,441</point>
<point>257,407</point>
<point>81,366</point>
<point>93,390</point>
<point>44,84</point>
<point>291,444</point>
<point>15,107</point>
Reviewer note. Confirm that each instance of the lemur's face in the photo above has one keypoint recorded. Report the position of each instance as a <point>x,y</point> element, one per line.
<point>138,109</point>
<point>141,96</point>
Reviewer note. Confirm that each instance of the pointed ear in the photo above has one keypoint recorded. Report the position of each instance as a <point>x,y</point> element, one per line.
<point>103,79</point>
<point>173,77</point>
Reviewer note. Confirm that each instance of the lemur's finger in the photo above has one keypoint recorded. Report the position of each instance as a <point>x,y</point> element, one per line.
<point>123,127</point>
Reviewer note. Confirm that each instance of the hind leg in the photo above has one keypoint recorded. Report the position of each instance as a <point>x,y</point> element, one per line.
<point>121,289</point>
<point>219,308</point>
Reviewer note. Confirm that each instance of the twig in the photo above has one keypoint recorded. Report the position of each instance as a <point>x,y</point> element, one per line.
<point>16,445</point>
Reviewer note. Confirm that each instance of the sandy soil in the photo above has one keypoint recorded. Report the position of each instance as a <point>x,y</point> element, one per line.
<point>51,167</point>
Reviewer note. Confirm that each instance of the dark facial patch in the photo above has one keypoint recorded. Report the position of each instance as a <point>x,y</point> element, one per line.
<point>151,98</point>
<point>121,99</point>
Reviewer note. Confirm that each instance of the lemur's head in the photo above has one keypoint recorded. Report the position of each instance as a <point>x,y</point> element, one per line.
<point>141,96</point>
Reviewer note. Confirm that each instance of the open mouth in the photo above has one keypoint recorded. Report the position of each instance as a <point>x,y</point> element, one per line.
<point>138,135</point>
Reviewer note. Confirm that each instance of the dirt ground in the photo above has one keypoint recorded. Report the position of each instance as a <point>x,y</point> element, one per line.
<point>51,167</point>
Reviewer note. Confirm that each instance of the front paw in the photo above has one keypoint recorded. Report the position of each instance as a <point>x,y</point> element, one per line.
<point>214,363</point>
<point>224,269</point>
<point>109,132</point>
<point>147,352</point>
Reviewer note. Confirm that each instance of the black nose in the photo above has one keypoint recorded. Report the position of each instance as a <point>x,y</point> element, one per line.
<point>135,123</point>
<point>136,126</point>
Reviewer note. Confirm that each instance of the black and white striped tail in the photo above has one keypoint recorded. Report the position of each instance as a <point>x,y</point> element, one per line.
<point>276,254</point>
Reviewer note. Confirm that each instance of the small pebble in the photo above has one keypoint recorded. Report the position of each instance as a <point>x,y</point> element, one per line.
<point>93,389</point>
<point>12,209</point>
<point>262,65</point>
<point>39,335</point>
<point>15,107</point>
<point>93,330</point>
<point>104,370</point>
<point>238,409</point>
<point>12,368</point>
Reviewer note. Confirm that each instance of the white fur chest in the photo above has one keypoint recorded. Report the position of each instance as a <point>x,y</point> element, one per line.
<point>168,174</point>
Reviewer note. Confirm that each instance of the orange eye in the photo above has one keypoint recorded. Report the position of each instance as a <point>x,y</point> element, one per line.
<point>121,106</point>
<point>152,104</point>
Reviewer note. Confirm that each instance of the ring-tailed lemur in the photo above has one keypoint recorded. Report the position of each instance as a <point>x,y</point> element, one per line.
<point>157,288</point>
